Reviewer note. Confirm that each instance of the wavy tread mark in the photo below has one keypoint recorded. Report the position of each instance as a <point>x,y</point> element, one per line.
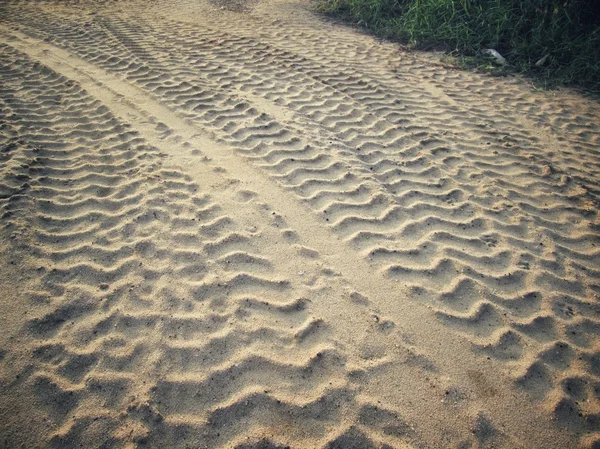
<point>128,304</point>
<point>442,193</point>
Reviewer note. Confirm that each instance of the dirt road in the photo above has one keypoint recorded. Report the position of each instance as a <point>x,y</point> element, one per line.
<point>233,224</point>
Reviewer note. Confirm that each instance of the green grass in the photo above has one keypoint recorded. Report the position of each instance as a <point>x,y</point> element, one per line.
<point>523,31</point>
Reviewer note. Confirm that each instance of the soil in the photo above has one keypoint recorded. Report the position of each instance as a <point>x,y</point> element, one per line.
<point>236,224</point>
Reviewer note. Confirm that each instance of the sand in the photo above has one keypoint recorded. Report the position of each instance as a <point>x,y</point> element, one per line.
<point>239,225</point>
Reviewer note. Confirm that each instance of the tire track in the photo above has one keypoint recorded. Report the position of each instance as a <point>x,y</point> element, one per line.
<point>138,319</point>
<point>458,228</point>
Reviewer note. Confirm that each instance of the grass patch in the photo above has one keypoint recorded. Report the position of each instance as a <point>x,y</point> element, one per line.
<point>556,41</point>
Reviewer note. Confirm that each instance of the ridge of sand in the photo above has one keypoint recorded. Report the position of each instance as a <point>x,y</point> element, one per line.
<point>234,239</point>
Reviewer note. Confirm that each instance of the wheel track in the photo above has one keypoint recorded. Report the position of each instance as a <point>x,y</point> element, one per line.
<point>113,319</point>
<point>488,225</point>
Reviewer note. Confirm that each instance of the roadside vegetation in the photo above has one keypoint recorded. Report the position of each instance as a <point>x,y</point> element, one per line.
<point>556,41</point>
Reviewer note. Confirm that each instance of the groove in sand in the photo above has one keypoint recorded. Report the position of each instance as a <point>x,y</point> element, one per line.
<point>244,239</point>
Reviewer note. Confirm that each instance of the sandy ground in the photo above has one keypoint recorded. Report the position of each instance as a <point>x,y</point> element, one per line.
<point>234,224</point>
